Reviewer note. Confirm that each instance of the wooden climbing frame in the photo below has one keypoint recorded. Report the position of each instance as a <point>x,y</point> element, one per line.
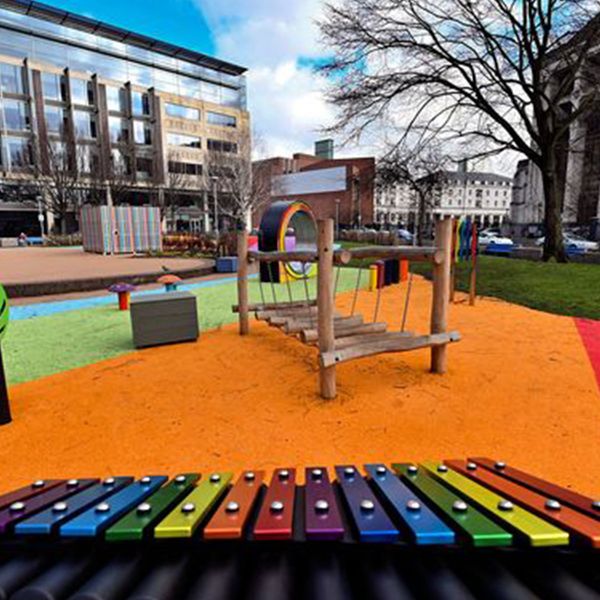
<point>343,338</point>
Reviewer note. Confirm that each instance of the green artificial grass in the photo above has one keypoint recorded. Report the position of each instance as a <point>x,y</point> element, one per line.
<point>570,289</point>
<point>42,346</point>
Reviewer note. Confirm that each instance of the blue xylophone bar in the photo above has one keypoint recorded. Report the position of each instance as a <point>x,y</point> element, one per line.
<point>368,516</point>
<point>95,520</point>
<point>424,525</point>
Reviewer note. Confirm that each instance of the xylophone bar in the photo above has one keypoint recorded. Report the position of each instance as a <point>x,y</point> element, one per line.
<point>276,516</point>
<point>321,512</point>
<point>186,517</point>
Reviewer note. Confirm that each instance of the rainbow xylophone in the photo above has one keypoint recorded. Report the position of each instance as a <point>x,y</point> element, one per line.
<point>380,527</point>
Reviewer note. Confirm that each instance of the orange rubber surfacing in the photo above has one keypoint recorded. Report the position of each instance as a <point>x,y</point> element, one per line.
<point>519,388</point>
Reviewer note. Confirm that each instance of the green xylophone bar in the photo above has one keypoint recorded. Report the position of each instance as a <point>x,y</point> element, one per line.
<point>525,525</point>
<point>470,522</point>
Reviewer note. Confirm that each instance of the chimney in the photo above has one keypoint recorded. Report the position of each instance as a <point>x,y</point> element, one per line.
<point>324,149</point>
<point>463,165</point>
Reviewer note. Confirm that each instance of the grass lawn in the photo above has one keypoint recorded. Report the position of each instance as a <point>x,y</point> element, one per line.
<point>41,346</point>
<point>565,289</point>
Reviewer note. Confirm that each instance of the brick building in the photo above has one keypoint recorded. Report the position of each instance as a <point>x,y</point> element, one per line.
<point>338,188</point>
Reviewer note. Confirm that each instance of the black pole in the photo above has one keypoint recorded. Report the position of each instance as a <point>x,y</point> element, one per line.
<point>5,417</point>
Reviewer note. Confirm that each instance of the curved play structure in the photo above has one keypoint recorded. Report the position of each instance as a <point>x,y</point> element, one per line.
<point>341,338</point>
<point>287,226</point>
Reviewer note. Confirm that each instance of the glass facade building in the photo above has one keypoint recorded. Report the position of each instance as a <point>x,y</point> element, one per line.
<point>114,101</point>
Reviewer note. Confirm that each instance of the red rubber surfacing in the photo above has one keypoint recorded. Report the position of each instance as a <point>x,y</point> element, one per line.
<point>590,334</point>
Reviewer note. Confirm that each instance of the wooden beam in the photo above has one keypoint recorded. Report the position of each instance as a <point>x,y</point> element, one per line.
<point>397,344</point>
<point>340,257</point>
<point>242,282</point>
<point>309,336</point>
<point>441,294</point>
<point>279,305</point>
<point>298,325</point>
<point>326,304</point>
<point>306,311</point>
<point>412,253</point>
<point>367,338</point>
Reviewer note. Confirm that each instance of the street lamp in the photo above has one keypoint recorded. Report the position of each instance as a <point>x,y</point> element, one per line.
<point>214,180</point>
<point>41,216</point>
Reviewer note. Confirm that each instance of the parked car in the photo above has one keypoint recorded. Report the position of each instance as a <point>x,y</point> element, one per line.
<point>486,238</point>
<point>574,241</point>
<point>405,235</point>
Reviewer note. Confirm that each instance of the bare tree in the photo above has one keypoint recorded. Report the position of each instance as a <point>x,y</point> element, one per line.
<point>242,187</point>
<point>422,171</point>
<point>491,75</point>
<point>117,179</point>
<point>57,174</point>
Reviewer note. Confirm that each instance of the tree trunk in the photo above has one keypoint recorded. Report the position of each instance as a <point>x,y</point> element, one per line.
<point>63,224</point>
<point>421,223</point>
<point>553,240</point>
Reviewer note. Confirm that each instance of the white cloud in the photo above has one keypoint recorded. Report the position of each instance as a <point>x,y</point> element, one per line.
<point>286,101</point>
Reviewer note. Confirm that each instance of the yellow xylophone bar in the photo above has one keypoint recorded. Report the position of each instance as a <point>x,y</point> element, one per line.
<point>185,518</point>
<point>536,531</point>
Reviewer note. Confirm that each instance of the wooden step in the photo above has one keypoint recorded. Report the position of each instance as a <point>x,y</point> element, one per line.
<point>310,336</point>
<point>399,343</point>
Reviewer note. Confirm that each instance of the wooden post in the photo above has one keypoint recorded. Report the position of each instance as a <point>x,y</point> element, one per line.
<point>5,417</point>
<point>441,293</point>
<point>473,277</point>
<point>242,282</point>
<point>326,306</point>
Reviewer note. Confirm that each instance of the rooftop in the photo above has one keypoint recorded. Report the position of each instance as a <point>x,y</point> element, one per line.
<point>68,19</point>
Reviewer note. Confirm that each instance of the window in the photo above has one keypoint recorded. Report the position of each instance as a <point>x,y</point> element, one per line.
<point>182,112</point>
<point>17,152</point>
<point>140,103</point>
<point>222,146</point>
<point>53,87</point>
<point>220,119</point>
<point>81,92</point>
<point>85,125</point>
<point>11,79</point>
<point>58,156</point>
<point>185,168</point>
<point>143,167</point>
<point>177,139</point>
<point>55,119</point>
<point>15,115</point>
<point>117,129</point>
<point>142,133</point>
<point>115,99</point>
<point>87,159</point>
<point>121,165</point>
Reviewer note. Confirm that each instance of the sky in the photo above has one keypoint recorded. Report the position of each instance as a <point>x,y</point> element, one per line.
<point>276,40</point>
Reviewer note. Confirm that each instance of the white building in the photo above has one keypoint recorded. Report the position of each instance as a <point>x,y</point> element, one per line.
<point>484,197</point>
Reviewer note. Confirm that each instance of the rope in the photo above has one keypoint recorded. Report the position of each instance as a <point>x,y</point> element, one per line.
<point>377,303</point>
<point>306,293</point>
<point>406,302</point>
<point>360,267</point>
<point>287,282</point>
<point>260,286</point>
<point>273,288</point>
<point>337,279</point>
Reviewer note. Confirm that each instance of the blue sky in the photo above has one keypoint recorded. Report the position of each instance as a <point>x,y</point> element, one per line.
<point>180,22</point>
